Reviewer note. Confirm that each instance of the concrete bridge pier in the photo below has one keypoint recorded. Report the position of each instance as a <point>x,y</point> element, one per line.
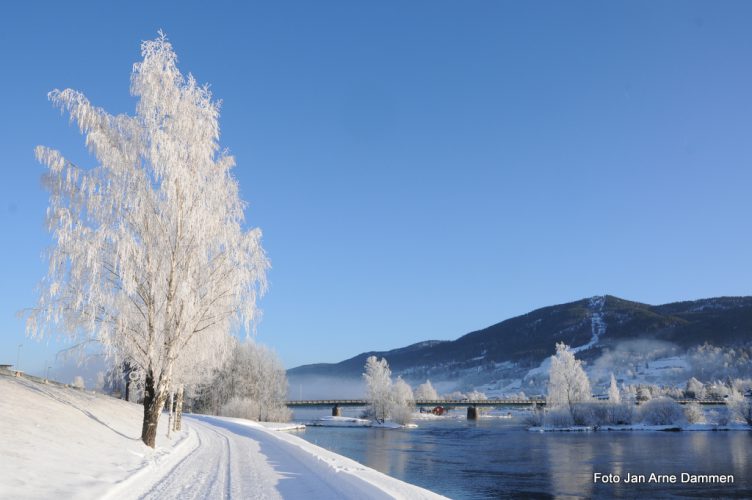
<point>336,411</point>
<point>472,413</point>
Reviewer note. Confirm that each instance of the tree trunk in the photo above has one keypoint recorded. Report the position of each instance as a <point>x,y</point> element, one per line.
<point>179,408</point>
<point>127,386</point>
<point>171,405</point>
<point>154,399</point>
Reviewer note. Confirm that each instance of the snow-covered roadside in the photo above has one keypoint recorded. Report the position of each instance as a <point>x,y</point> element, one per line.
<point>59,442</point>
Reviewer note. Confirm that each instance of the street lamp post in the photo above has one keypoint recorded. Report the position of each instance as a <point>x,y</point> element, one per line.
<point>18,358</point>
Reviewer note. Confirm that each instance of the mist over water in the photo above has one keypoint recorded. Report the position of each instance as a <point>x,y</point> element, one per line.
<point>325,388</point>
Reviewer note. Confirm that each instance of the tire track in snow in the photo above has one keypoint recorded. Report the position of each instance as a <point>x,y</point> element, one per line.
<point>201,474</point>
<point>220,467</point>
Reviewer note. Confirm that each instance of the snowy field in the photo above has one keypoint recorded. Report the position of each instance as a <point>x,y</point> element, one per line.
<point>60,442</point>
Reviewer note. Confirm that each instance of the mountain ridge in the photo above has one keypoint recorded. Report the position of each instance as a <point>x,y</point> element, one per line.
<point>526,340</point>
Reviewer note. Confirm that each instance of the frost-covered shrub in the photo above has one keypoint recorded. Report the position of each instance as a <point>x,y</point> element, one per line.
<point>717,391</point>
<point>602,413</point>
<point>239,407</point>
<point>426,391</point>
<point>78,382</point>
<point>673,392</point>
<point>741,385</point>
<point>558,418</point>
<point>476,396</point>
<point>694,414</point>
<point>695,389</point>
<point>644,393</point>
<point>402,415</point>
<point>252,373</point>
<point>721,416</point>
<point>456,395</point>
<point>278,413</point>
<point>620,414</point>
<point>741,409</point>
<point>402,402</point>
<point>588,413</point>
<point>253,410</point>
<point>661,411</point>
<point>534,418</point>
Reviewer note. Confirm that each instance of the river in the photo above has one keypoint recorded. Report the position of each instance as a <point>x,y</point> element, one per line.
<point>500,458</point>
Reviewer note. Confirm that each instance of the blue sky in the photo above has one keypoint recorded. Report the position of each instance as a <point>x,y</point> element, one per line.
<point>422,169</point>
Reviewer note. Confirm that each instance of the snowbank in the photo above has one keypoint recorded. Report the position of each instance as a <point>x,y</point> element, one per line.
<point>357,422</point>
<point>340,422</point>
<point>279,426</point>
<point>60,442</point>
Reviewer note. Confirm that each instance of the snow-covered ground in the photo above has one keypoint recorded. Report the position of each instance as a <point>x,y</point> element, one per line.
<point>60,442</point>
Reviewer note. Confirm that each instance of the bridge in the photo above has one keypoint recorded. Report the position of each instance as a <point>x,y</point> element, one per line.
<point>472,405</point>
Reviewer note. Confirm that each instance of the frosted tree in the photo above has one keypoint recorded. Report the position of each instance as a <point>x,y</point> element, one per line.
<point>476,396</point>
<point>150,258</point>
<point>252,384</point>
<point>78,382</point>
<point>567,384</point>
<point>201,366</point>
<point>402,402</point>
<point>426,392</point>
<point>740,407</point>
<point>695,389</point>
<point>613,391</point>
<point>100,381</point>
<point>378,378</point>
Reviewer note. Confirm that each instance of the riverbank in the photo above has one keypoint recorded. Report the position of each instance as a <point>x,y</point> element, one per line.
<point>644,428</point>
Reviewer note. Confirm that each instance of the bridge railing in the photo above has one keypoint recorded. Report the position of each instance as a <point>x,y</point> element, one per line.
<point>421,402</point>
<point>467,402</point>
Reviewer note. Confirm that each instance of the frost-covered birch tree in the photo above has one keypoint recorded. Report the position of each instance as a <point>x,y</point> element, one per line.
<point>201,366</point>
<point>378,378</point>
<point>252,384</point>
<point>150,258</point>
<point>614,396</point>
<point>402,402</point>
<point>568,382</point>
<point>426,391</point>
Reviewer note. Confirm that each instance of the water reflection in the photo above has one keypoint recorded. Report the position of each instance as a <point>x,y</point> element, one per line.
<point>570,465</point>
<point>501,459</point>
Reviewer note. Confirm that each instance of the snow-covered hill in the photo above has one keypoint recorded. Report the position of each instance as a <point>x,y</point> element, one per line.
<point>60,442</point>
<point>638,342</point>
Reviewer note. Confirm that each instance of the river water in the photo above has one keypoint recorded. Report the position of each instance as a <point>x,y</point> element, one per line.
<point>499,458</point>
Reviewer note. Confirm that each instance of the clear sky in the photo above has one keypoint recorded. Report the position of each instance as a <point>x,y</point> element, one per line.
<point>421,169</point>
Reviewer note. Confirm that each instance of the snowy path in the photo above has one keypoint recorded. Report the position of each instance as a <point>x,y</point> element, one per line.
<point>208,470</point>
<point>231,458</point>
